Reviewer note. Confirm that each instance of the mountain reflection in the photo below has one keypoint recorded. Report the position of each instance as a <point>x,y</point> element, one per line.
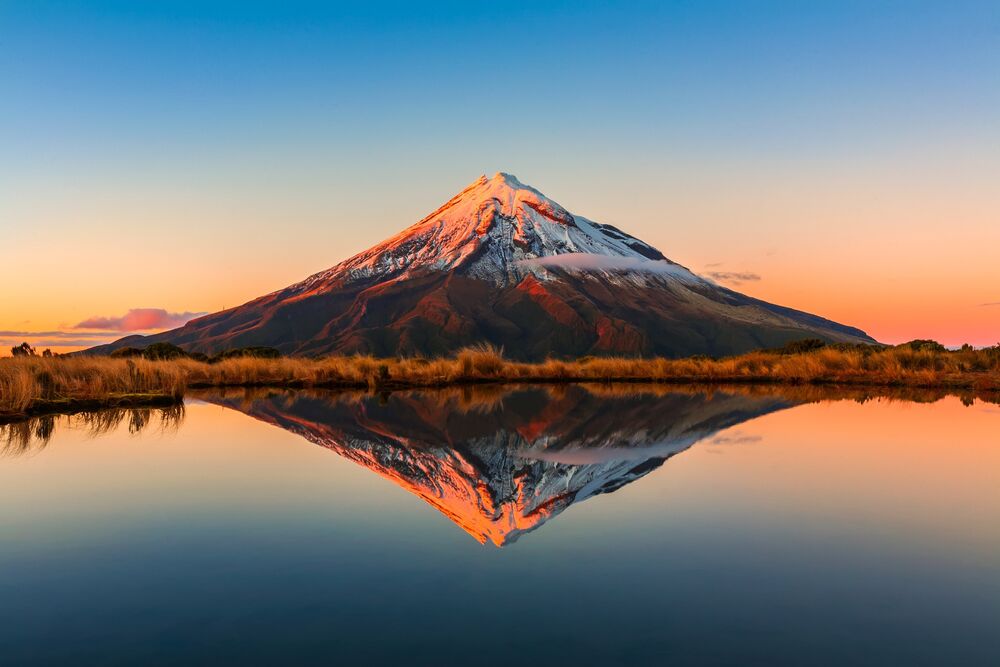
<point>501,462</point>
<point>498,461</point>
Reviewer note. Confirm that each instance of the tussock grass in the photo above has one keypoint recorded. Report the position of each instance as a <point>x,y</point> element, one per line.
<point>34,383</point>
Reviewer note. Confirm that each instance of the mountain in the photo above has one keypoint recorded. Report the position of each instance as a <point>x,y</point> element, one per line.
<point>502,263</point>
<point>501,462</point>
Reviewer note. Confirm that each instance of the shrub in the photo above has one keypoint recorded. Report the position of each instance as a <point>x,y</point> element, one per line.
<point>255,352</point>
<point>924,345</point>
<point>800,346</point>
<point>158,351</point>
<point>126,353</point>
<point>22,350</point>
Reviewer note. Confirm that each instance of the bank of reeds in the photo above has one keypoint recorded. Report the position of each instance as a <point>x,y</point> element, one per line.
<point>900,366</point>
<point>32,385</point>
<point>36,385</point>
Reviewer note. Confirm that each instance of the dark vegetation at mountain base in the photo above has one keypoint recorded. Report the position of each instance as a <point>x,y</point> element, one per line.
<point>160,373</point>
<point>25,350</point>
<point>166,351</point>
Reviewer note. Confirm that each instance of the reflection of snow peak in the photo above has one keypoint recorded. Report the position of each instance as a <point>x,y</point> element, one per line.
<point>502,466</point>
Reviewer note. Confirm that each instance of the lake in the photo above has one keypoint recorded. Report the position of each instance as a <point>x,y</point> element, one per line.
<point>581,525</point>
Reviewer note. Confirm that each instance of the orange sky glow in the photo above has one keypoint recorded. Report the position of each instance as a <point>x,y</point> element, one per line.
<point>900,265</point>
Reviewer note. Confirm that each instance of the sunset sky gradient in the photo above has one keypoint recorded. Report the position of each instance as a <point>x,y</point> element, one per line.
<point>838,157</point>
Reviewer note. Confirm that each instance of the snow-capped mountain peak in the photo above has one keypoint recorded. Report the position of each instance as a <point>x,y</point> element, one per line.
<point>495,229</point>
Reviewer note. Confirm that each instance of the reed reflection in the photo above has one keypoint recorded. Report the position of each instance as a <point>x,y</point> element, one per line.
<point>32,435</point>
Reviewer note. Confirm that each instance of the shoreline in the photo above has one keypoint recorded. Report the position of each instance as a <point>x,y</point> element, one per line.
<point>34,385</point>
<point>952,383</point>
<point>65,386</point>
<point>857,390</point>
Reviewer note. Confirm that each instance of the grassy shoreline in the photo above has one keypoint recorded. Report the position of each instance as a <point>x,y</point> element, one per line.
<point>35,385</point>
<point>70,406</point>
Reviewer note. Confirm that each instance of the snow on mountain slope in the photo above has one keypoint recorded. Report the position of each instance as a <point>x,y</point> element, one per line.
<point>498,229</point>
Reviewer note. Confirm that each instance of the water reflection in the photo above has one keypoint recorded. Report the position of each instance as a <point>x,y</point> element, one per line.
<point>817,533</point>
<point>32,435</point>
<point>500,462</point>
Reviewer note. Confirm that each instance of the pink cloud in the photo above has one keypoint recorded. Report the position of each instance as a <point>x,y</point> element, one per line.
<point>139,319</point>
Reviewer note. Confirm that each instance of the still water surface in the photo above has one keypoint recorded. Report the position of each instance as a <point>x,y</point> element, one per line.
<point>523,526</point>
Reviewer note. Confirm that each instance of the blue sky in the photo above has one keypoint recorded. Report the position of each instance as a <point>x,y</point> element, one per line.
<point>124,78</point>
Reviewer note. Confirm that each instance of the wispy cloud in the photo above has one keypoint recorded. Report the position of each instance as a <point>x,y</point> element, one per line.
<point>733,277</point>
<point>54,334</point>
<point>735,439</point>
<point>730,438</point>
<point>990,303</point>
<point>42,339</point>
<point>42,343</point>
<point>585,262</point>
<point>139,319</point>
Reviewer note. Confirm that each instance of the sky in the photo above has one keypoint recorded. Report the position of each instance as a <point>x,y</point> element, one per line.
<point>161,160</point>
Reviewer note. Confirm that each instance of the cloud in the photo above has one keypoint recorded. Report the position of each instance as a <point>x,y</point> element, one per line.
<point>990,303</point>
<point>139,319</point>
<point>98,330</point>
<point>53,334</point>
<point>580,261</point>
<point>735,439</point>
<point>733,277</point>
<point>43,339</point>
<point>55,342</point>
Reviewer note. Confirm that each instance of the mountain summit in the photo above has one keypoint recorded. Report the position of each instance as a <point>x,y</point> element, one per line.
<point>502,263</point>
<point>488,231</point>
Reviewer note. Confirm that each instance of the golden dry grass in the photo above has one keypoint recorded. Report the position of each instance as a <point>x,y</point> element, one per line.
<point>27,384</point>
